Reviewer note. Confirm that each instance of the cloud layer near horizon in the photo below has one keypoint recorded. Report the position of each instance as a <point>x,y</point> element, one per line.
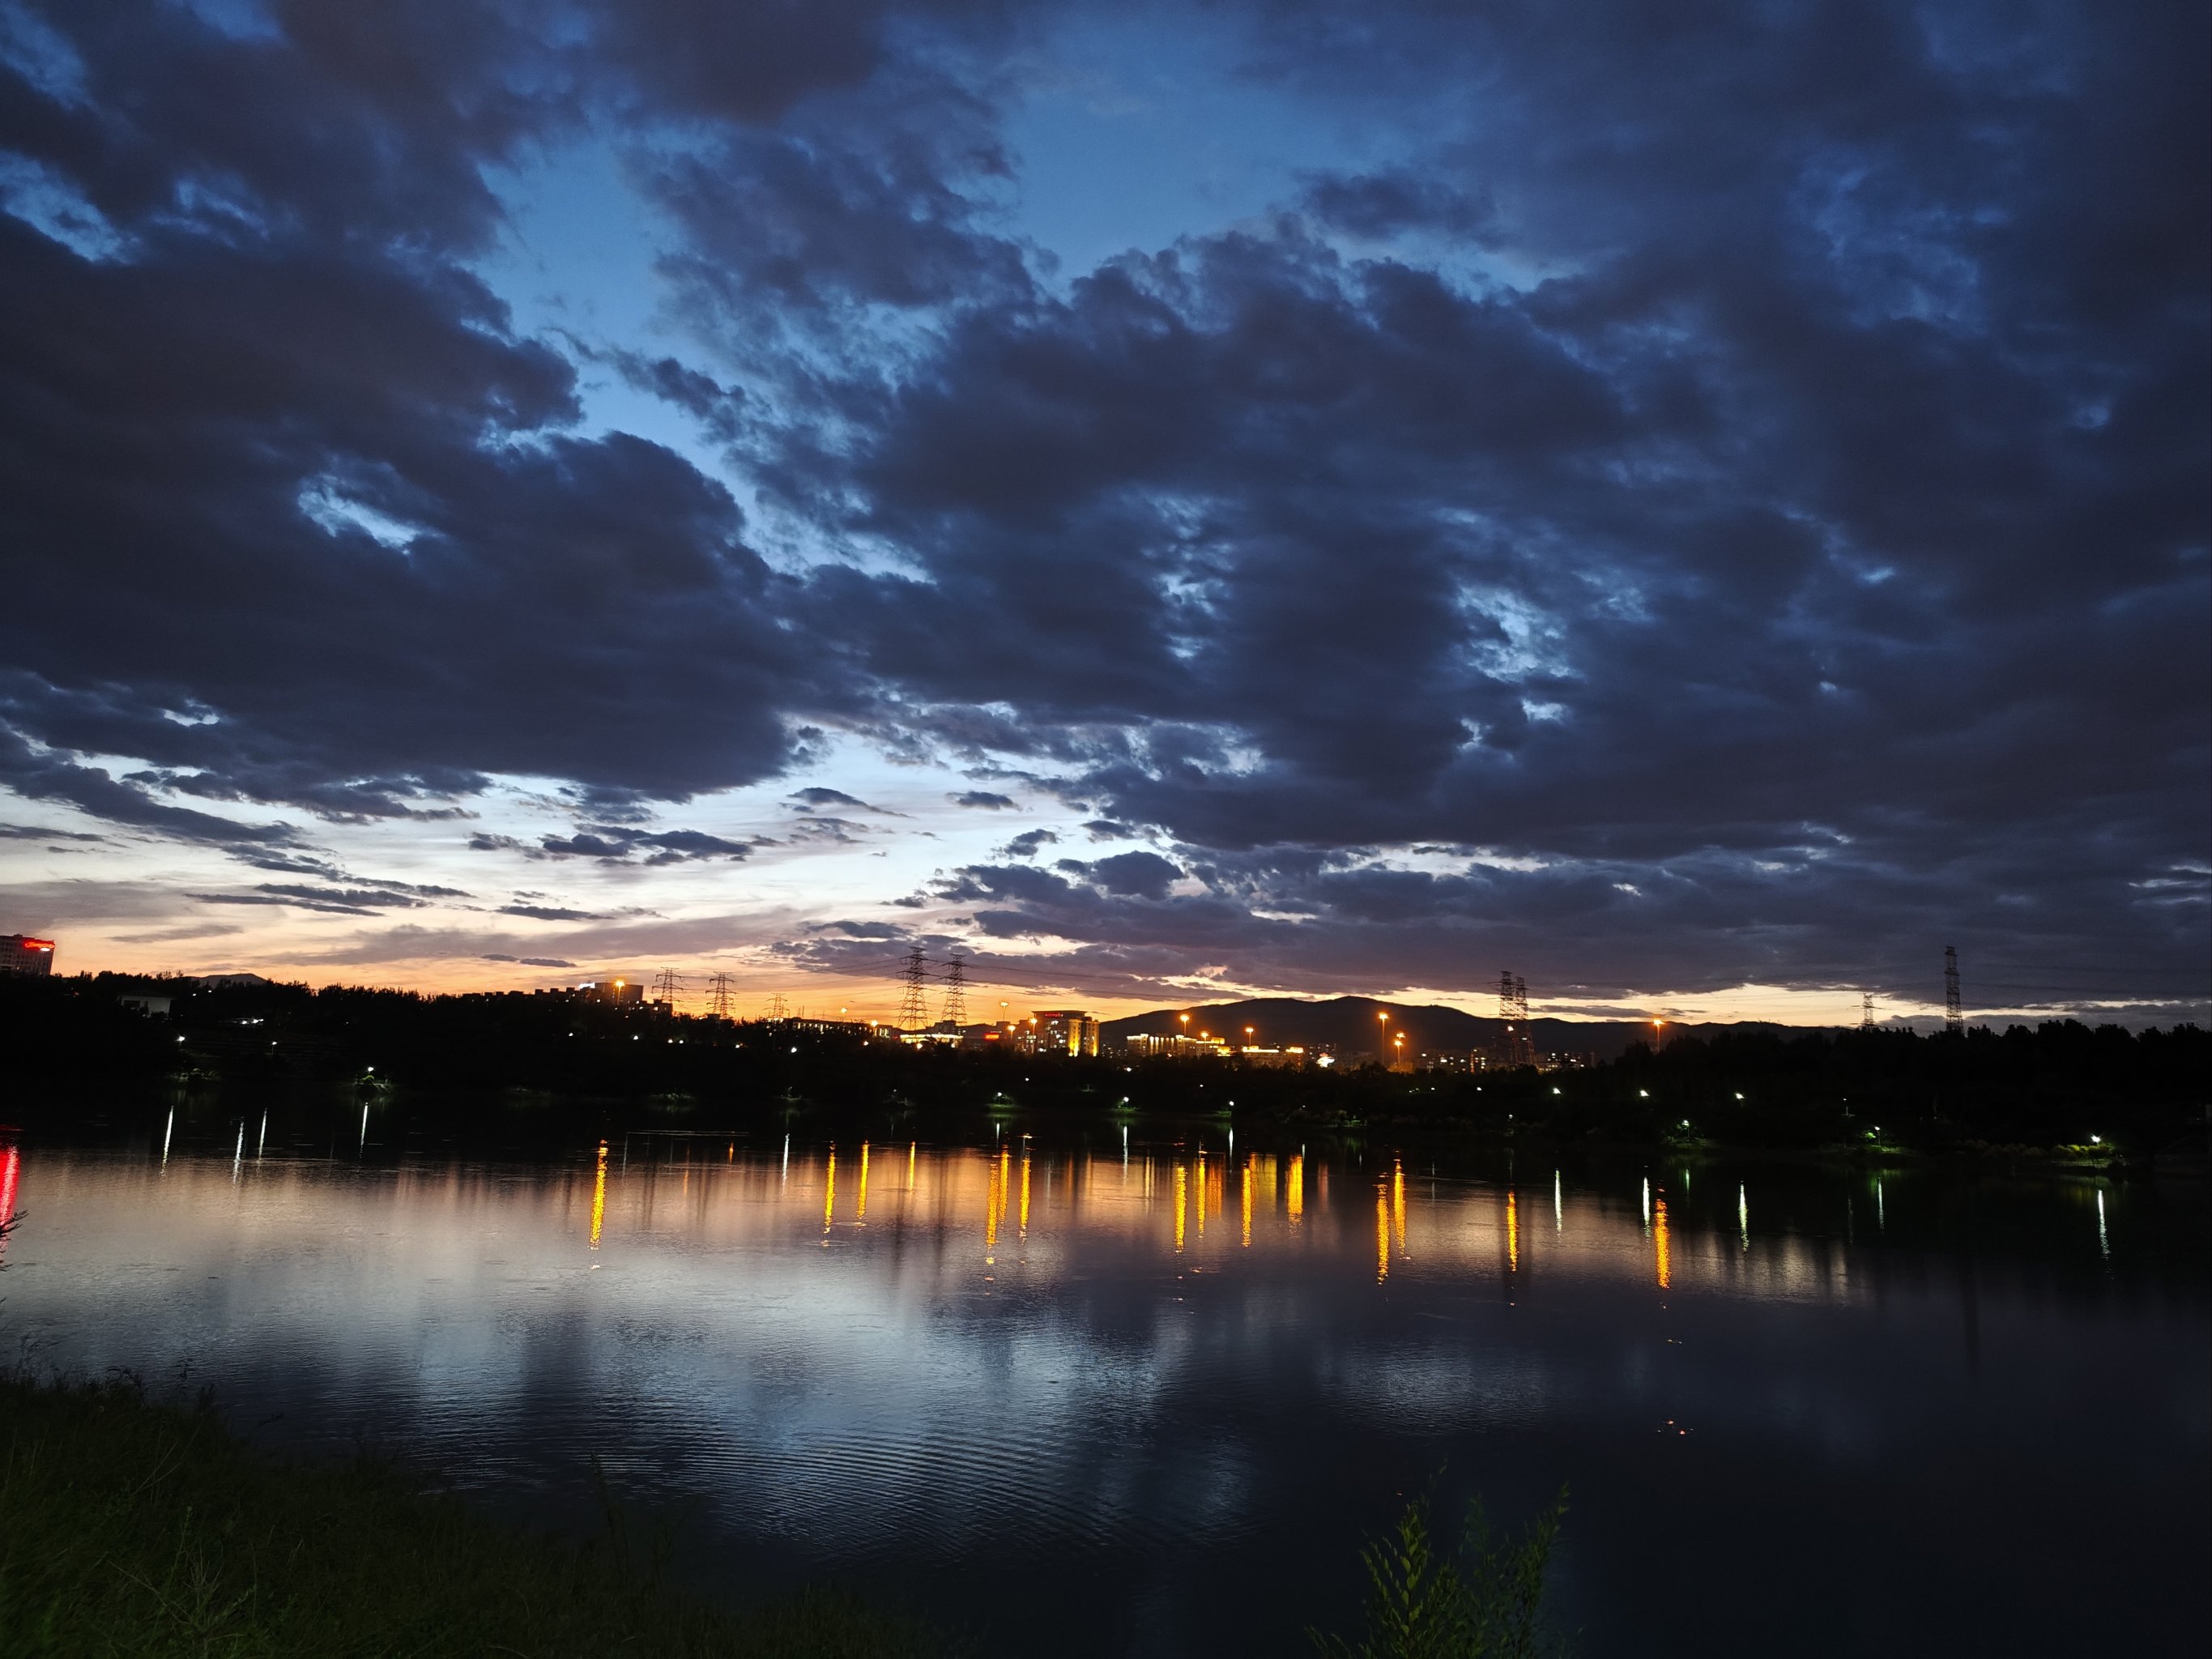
<point>1677,503</point>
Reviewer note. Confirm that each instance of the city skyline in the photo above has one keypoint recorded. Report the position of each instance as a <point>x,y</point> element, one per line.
<point>1174,503</point>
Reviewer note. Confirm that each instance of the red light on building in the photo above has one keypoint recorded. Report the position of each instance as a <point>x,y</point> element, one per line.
<point>22,954</point>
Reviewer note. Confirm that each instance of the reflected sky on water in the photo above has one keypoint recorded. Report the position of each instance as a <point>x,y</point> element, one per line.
<point>1170,1384</point>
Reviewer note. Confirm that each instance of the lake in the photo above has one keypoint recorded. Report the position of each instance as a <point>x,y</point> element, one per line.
<point>1143,1391</point>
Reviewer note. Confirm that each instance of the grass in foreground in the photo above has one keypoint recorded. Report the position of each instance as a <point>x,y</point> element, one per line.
<point>130,1528</point>
<point>1481,1602</point>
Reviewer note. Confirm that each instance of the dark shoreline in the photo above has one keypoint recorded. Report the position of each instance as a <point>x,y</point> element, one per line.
<point>515,1072</point>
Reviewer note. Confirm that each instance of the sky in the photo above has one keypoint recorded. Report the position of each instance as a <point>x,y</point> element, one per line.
<point>1700,505</point>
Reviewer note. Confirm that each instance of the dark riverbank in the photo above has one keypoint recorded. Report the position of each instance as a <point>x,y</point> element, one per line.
<point>506,1070</point>
<point>139,1528</point>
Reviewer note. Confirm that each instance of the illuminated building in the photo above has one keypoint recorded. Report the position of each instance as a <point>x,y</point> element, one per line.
<point>21,954</point>
<point>1175,1047</point>
<point>1065,1031</point>
<point>852,1028</point>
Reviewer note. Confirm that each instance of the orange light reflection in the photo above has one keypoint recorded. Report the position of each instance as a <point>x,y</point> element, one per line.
<point>599,1194</point>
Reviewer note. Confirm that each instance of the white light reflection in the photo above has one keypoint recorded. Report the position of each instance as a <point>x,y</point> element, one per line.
<point>785,1177</point>
<point>1881,1215</point>
<point>261,1145</point>
<point>237,1152</point>
<point>2104,1239</point>
<point>1647,1203</point>
<point>1743,1215</point>
<point>1559,1205</point>
<point>166,1130</point>
<point>364,1125</point>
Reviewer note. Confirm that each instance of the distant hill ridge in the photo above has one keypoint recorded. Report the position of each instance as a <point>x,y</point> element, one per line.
<point>1349,1025</point>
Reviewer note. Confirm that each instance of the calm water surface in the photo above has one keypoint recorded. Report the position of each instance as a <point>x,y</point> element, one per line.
<point>1078,1398</point>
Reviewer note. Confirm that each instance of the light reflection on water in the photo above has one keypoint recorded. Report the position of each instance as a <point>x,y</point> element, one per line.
<point>1046,1356</point>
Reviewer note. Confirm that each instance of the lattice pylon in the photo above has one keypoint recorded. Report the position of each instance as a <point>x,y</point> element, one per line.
<point>1954,1014</point>
<point>914,1006</point>
<point>956,992</point>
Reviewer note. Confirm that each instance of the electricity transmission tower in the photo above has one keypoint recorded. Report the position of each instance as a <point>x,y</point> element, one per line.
<point>717,993</point>
<point>1866,1010</point>
<point>1954,1017</point>
<point>667,986</point>
<point>956,992</point>
<point>913,1006</point>
<point>776,1010</point>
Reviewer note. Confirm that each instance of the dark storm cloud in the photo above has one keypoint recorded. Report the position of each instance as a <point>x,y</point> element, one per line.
<point>985,799</point>
<point>49,775</point>
<point>857,201</point>
<point>291,514</point>
<point>338,904</point>
<point>1738,479</point>
<point>1847,482</point>
<point>614,843</point>
<point>526,961</point>
<point>1134,875</point>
